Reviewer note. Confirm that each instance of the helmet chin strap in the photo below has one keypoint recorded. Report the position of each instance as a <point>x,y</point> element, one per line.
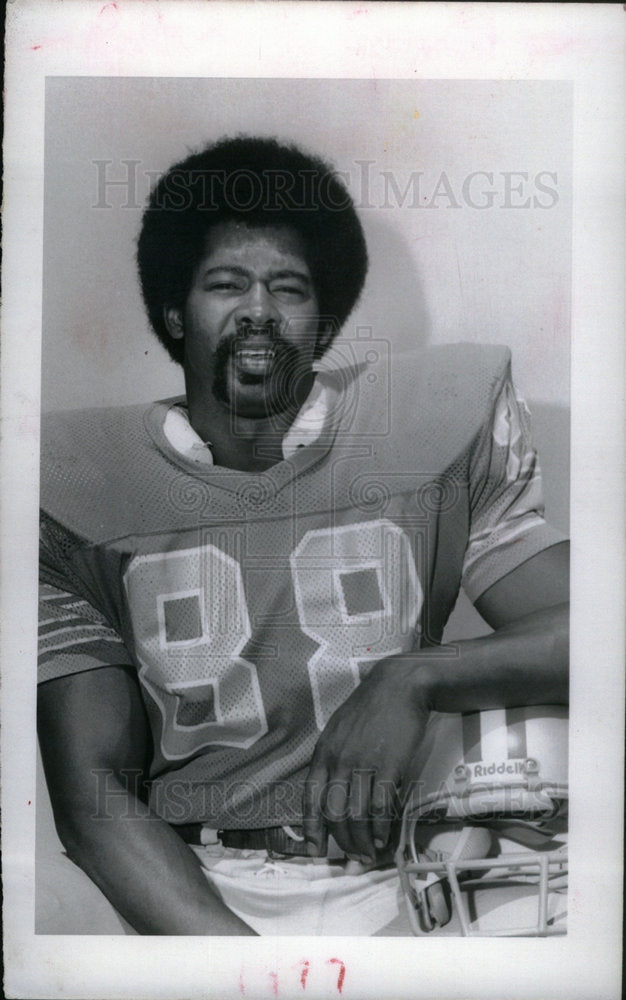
<point>538,836</point>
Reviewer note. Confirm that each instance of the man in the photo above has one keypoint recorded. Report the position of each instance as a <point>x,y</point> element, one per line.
<point>244,590</point>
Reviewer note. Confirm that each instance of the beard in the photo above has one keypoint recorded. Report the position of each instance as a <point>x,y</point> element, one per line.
<point>282,385</point>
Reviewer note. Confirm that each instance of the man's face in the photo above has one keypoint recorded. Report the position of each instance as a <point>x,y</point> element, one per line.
<point>250,323</point>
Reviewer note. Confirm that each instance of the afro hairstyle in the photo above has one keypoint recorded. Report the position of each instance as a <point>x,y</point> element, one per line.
<point>260,182</point>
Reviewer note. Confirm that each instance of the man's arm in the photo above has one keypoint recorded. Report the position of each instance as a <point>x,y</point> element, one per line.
<point>95,722</point>
<point>368,745</point>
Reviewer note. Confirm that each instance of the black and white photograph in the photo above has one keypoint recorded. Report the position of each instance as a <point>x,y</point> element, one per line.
<point>303,453</point>
<point>245,588</point>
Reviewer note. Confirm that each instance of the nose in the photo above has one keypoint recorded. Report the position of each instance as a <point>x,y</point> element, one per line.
<point>257,306</point>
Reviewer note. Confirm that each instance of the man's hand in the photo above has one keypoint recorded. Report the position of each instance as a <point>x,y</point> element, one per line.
<point>367,755</point>
<point>355,783</point>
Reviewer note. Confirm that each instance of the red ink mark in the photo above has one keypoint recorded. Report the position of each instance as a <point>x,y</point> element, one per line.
<point>107,6</point>
<point>342,971</point>
<point>274,978</point>
<point>35,47</point>
<point>305,971</point>
<point>29,801</point>
<point>241,986</point>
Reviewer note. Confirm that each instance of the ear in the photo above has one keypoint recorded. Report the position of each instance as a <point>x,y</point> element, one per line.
<point>173,320</point>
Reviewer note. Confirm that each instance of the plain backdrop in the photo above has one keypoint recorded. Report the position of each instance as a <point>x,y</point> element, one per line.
<point>463,188</point>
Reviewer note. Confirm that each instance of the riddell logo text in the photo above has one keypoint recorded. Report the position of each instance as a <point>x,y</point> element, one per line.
<point>506,767</point>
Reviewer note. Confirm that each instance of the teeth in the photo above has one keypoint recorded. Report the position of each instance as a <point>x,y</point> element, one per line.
<point>250,353</point>
<point>255,361</point>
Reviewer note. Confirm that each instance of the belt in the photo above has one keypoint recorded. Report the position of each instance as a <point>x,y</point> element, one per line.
<point>276,840</point>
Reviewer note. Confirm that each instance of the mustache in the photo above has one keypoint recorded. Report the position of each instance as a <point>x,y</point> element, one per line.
<point>286,359</point>
<point>270,330</point>
<point>245,329</point>
<point>285,354</point>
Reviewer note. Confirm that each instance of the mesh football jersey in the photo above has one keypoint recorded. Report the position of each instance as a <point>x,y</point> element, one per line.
<point>252,604</point>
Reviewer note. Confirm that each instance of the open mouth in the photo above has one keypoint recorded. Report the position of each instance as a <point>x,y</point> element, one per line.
<point>257,361</point>
<point>265,365</point>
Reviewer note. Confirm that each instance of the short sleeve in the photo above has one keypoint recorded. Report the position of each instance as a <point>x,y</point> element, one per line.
<point>507,524</point>
<point>73,636</point>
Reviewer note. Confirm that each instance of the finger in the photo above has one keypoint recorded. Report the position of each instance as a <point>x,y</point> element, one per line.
<point>355,839</point>
<point>385,809</point>
<point>358,821</point>
<point>348,814</point>
<point>314,828</point>
<point>335,808</point>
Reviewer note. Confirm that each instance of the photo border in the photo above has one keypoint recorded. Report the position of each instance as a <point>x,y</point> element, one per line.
<point>584,43</point>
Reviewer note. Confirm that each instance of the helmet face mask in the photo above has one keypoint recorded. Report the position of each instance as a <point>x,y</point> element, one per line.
<point>485,821</point>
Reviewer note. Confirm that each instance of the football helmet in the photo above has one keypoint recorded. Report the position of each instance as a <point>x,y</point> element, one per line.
<point>486,819</point>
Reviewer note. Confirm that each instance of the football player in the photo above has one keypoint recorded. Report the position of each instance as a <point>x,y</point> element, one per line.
<point>244,589</point>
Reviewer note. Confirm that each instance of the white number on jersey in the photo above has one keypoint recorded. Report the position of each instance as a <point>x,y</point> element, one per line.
<point>191,622</point>
<point>357,596</point>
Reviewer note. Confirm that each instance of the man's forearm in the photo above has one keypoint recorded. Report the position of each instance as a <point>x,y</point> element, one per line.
<point>147,871</point>
<point>379,729</point>
<point>524,663</point>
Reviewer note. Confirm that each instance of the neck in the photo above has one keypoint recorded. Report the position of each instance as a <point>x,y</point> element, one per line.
<point>244,443</point>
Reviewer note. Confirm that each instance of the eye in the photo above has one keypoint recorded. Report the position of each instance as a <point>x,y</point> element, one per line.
<point>226,286</point>
<point>288,292</point>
